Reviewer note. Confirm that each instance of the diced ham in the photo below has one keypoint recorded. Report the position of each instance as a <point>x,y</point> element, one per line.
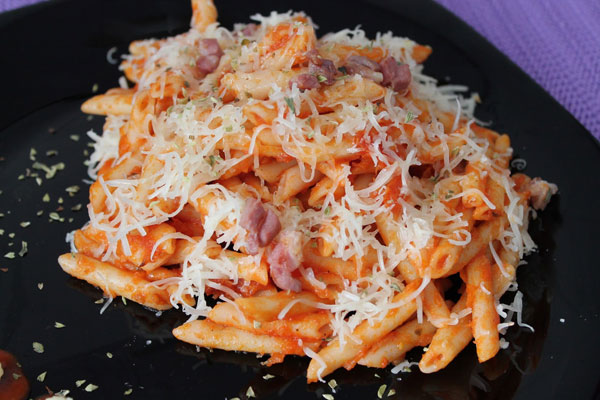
<point>322,68</point>
<point>364,67</point>
<point>364,62</point>
<point>320,71</point>
<point>395,75</point>
<point>305,82</point>
<point>313,56</point>
<point>283,259</point>
<point>262,225</point>
<point>253,215</point>
<point>249,29</point>
<point>541,192</point>
<point>210,56</point>
<point>269,229</point>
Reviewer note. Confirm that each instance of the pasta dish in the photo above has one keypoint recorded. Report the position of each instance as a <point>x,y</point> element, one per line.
<point>334,200</point>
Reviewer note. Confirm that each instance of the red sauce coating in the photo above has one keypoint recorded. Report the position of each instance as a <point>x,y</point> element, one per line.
<point>13,383</point>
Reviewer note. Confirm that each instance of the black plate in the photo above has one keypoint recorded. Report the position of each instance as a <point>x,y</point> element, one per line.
<point>53,54</point>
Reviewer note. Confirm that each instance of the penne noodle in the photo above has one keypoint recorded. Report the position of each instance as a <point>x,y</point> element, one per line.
<point>113,102</point>
<point>309,326</point>
<point>447,342</point>
<point>324,192</point>
<point>481,300</point>
<point>393,347</point>
<point>335,355</point>
<point>208,334</point>
<point>114,281</point>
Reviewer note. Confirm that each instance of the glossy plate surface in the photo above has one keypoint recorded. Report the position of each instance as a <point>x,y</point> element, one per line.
<point>54,53</point>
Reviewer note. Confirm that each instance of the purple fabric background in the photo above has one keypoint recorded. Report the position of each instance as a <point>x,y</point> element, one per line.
<point>557,42</point>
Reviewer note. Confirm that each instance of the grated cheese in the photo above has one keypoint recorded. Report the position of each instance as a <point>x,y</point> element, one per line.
<point>189,151</point>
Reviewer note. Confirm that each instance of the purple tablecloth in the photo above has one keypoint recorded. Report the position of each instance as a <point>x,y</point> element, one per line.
<point>557,42</point>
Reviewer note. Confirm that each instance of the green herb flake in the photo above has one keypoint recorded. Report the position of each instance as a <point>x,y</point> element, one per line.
<point>290,104</point>
<point>268,376</point>
<point>409,117</point>
<point>548,196</point>
<point>79,382</point>
<point>46,198</point>
<point>10,255</point>
<point>32,154</point>
<point>250,392</point>
<point>72,189</point>
<point>313,244</point>
<point>59,325</point>
<point>54,216</point>
<point>228,128</point>
<point>21,177</point>
<point>381,391</point>
<point>212,160</point>
<point>391,392</point>
<point>449,194</point>
<point>128,392</point>
<point>395,287</point>
<point>41,377</point>
<point>1,232</point>
<point>39,213</point>
<point>23,250</point>
<point>24,224</point>
<point>327,210</point>
<point>60,200</point>
<point>16,376</point>
<point>310,135</point>
<point>124,300</point>
<point>90,387</point>
<point>321,78</point>
<point>76,207</point>
<point>332,384</point>
<point>51,153</point>
<point>328,396</point>
<point>11,235</point>
<point>38,180</point>
<point>38,347</point>
<point>74,138</point>
<point>256,324</point>
<point>109,355</point>
<point>49,170</point>
<point>95,88</point>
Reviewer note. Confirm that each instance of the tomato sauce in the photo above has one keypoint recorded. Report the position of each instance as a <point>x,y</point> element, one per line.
<point>13,383</point>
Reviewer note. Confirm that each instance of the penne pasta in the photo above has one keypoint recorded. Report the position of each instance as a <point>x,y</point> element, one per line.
<point>324,191</point>
<point>114,281</point>
<point>393,347</point>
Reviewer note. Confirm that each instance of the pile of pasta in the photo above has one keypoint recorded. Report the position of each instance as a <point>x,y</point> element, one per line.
<point>334,200</point>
